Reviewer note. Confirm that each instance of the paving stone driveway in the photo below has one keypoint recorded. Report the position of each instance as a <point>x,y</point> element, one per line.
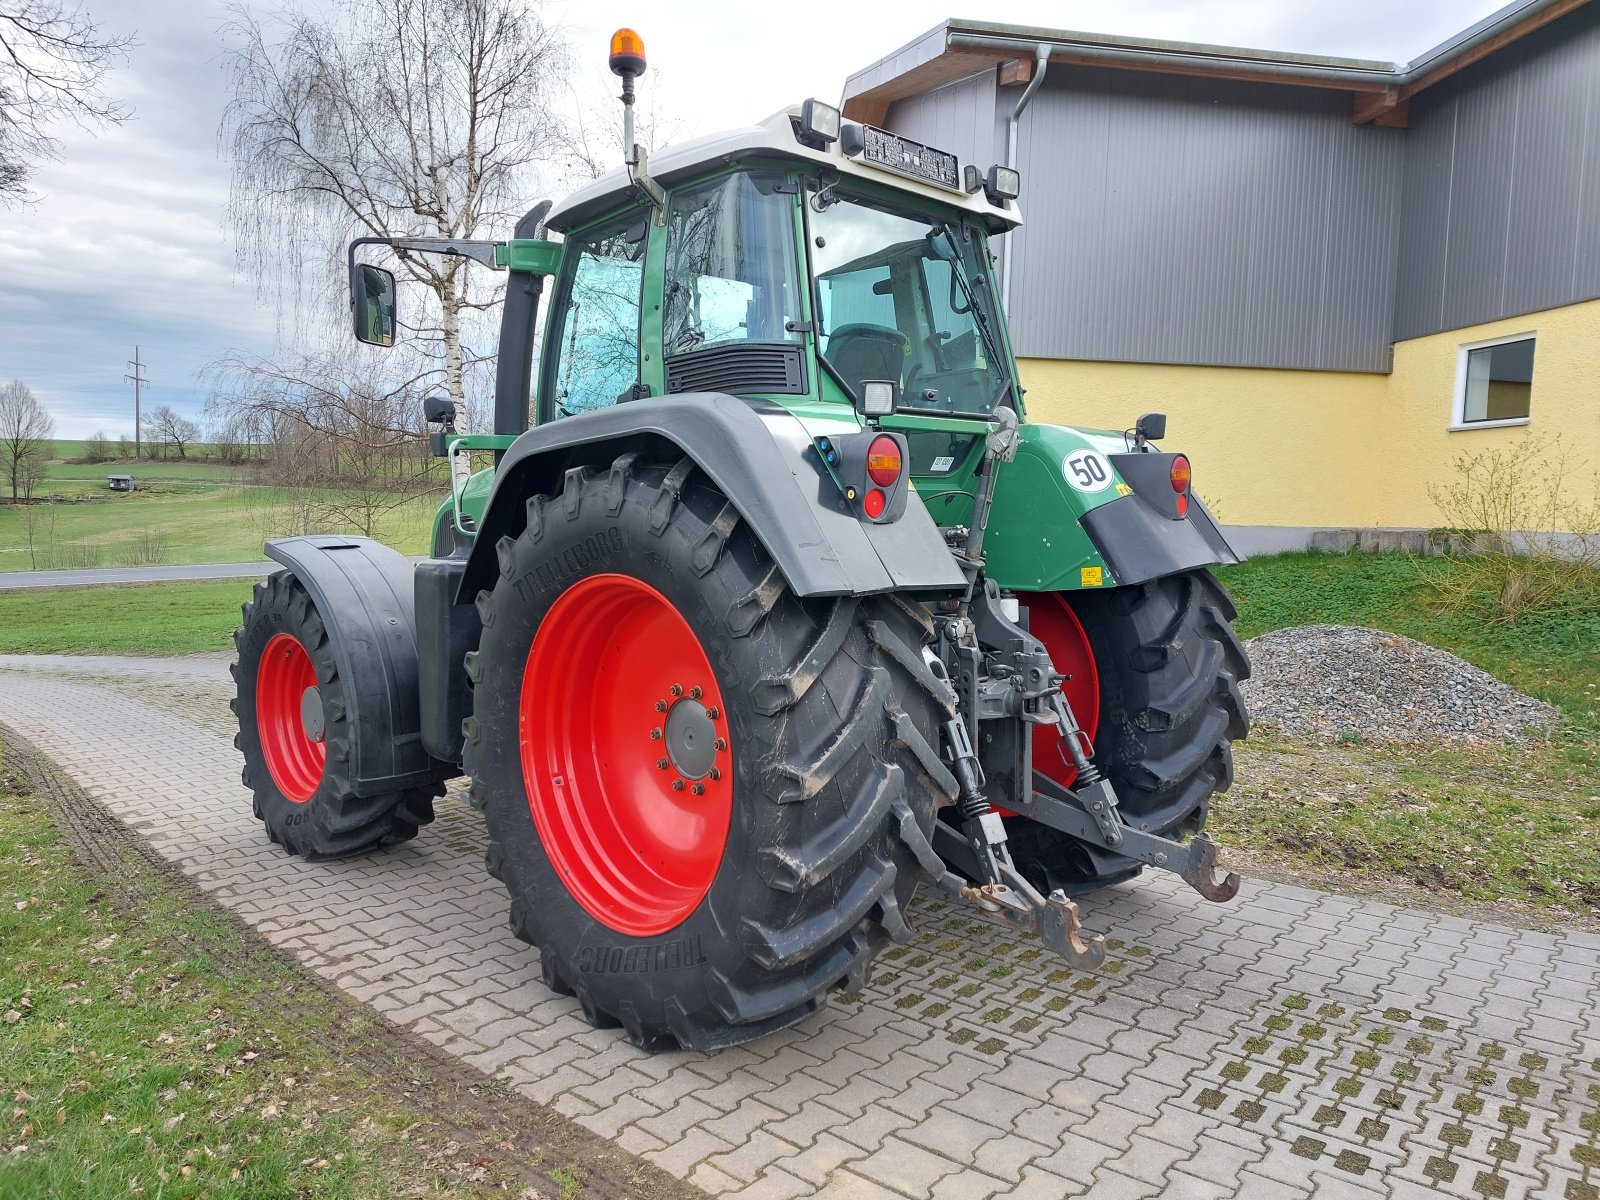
<point>1289,1044</point>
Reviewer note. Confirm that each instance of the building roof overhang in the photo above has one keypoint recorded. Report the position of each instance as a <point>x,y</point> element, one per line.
<point>1380,91</point>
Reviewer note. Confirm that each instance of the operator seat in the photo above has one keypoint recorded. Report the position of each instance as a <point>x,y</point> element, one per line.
<point>860,352</point>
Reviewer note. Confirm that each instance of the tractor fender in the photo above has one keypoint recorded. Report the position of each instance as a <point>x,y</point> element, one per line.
<point>364,593</point>
<point>762,459</point>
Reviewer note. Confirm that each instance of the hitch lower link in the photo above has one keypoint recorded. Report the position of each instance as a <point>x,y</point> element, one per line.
<point>1089,813</point>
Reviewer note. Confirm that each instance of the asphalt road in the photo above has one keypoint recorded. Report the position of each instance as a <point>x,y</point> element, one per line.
<point>11,581</point>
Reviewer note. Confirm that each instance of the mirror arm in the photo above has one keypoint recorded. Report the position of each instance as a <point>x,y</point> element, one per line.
<point>480,252</point>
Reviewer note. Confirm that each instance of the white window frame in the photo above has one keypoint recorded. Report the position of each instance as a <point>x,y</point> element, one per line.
<point>1458,412</point>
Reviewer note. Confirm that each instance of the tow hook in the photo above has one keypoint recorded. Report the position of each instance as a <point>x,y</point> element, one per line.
<point>1015,905</point>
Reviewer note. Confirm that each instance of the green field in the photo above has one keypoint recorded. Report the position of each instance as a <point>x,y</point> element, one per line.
<point>184,512</point>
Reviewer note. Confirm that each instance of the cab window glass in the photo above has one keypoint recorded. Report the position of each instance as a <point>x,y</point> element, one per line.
<point>731,274</point>
<point>599,352</point>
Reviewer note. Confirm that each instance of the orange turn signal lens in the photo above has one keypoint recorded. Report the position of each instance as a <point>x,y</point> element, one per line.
<point>1181,474</point>
<point>883,461</point>
<point>627,53</point>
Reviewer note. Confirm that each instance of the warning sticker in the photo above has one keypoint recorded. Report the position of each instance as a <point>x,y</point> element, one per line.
<point>1087,471</point>
<point>943,463</point>
<point>1091,576</point>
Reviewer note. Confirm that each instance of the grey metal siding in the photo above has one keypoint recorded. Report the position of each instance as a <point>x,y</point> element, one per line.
<point>959,117</point>
<point>1204,221</point>
<point>1502,184</point>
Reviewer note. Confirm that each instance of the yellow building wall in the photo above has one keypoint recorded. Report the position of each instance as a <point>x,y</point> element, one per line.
<point>1298,448</point>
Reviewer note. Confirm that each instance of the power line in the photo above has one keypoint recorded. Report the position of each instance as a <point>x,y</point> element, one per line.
<point>138,380</point>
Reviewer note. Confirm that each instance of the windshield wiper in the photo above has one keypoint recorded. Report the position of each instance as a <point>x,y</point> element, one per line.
<point>981,318</point>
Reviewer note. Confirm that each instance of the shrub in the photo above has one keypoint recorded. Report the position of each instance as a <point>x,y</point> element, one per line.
<point>1520,537</point>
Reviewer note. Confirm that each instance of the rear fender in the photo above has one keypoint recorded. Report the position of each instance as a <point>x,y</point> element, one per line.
<point>762,459</point>
<point>364,593</point>
<point>1066,518</point>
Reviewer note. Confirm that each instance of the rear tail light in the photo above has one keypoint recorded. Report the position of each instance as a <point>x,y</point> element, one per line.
<point>883,461</point>
<point>1180,477</point>
<point>873,503</point>
<point>1183,505</point>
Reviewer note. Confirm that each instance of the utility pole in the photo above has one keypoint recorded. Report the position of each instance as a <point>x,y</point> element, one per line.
<point>138,380</point>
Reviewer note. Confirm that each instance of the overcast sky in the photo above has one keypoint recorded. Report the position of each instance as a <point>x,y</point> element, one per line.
<point>129,245</point>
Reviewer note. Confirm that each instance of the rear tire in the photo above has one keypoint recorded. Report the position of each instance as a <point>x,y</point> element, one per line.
<point>828,771</point>
<point>302,786</point>
<point>1169,666</point>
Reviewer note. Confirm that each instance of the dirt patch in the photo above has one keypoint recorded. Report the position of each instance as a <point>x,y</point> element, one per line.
<point>467,1118</point>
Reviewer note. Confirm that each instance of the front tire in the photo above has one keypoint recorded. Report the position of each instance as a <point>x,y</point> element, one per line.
<point>295,733</point>
<point>719,897</point>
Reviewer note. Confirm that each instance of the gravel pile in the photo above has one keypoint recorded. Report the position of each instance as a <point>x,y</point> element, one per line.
<point>1333,680</point>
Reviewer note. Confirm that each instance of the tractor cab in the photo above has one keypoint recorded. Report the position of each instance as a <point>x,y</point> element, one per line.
<point>796,259</point>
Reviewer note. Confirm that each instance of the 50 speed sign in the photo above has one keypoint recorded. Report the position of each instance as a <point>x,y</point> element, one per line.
<point>1087,470</point>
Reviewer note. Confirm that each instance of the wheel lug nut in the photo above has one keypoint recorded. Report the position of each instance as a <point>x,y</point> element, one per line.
<point>715,773</point>
<point>662,764</point>
<point>699,789</point>
<point>661,706</point>
<point>695,693</point>
<point>655,735</point>
<point>676,689</point>
<point>721,743</point>
<point>677,785</point>
<point>713,713</point>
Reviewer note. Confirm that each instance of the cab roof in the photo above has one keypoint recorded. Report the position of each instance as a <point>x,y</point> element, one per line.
<point>773,138</point>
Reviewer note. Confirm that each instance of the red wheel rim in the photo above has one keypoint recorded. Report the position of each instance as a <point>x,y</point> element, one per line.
<point>616,685</point>
<point>293,758</point>
<point>1052,621</point>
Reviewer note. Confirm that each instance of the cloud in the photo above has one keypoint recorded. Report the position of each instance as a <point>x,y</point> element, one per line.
<point>130,244</point>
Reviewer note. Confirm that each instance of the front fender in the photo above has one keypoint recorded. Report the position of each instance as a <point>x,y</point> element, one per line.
<point>761,458</point>
<point>365,595</point>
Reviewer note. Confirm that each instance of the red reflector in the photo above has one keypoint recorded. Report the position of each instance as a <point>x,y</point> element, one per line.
<point>1183,505</point>
<point>883,461</point>
<point>1180,474</point>
<point>873,503</point>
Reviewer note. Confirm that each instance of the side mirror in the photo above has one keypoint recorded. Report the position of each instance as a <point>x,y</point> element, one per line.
<point>372,301</point>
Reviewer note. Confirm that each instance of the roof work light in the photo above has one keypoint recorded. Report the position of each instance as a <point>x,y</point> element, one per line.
<point>818,125</point>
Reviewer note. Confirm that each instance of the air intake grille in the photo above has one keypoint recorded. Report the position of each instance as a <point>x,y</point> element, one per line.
<point>739,369</point>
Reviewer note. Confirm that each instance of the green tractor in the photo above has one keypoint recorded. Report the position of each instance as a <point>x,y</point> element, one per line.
<point>777,609</point>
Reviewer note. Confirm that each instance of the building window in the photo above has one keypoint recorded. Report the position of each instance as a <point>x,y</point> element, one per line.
<point>1494,383</point>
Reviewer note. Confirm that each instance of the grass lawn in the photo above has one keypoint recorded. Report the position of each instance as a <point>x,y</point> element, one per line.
<point>1513,824</point>
<point>151,1045</point>
<point>149,618</point>
<point>185,512</point>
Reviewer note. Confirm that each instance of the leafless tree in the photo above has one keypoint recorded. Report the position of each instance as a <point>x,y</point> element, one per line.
<point>52,59</point>
<point>97,447</point>
<point>348,452</point>
<point>25,433</point>
<point>171,428</point>
<point>418,118</point>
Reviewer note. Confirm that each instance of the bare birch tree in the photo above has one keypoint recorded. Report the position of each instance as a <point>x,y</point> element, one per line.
<point>393,118</point>
<point>52,59</point>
